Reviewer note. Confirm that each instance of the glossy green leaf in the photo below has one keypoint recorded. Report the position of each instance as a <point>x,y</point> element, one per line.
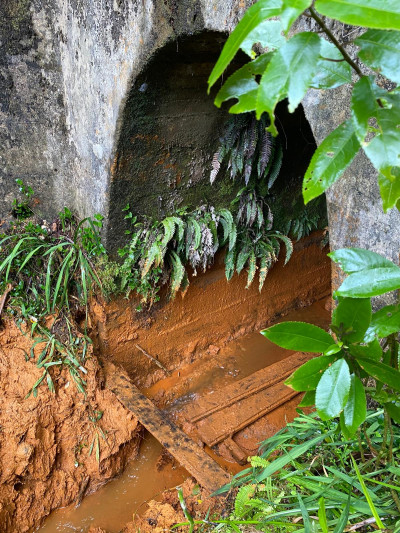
<point>355,410</point>
<point>333,390</point>
<point>291,10</point>
<point>384,322</point>
<point>352,316</point>
<point>331,74</point>
<point>268,34</point>
<point>330,160</point>
<point>357,259</point>
<point>381,14</point>
<point>394,411</point>
<point>384,373</point>
<point>254,16</point>
<point>389,187</point>
<point>289,74</point>
<point>243,86</point>
<point>306,378</point>
<point>308,399</point>
<point>372,350</point>
<point>334,348</point>
<point>376,118</point>
<point>368,283</point>
<point>299,336</point>
<point>380,50</point>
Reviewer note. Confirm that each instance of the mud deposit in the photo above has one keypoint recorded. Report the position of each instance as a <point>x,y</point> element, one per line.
<point>114,505</point>
<point>138,491</point>
<point>44,441</point>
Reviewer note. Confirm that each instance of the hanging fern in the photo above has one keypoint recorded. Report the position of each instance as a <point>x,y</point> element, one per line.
<point>161,252</point>
<point>248,151</point>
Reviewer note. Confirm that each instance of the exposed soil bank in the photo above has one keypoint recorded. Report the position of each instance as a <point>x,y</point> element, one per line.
<point>212,313</point>
<point>45,441</point>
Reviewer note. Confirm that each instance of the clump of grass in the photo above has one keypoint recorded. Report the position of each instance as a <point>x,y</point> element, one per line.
<point>51,270</point>
<point>310,478</point>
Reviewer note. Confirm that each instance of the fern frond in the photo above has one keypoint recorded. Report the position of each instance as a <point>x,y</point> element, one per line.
<point>242,258</point>
<point>276,165</point>
<point>181,227</point>
<point>230,264</point>
<point>197,234</point>
<point>216,165</point>
<point>288,244</point>
<point>260,216</point>
<point>264,267</point>
<point>265,152</point>
<point>169,230</point>
<point>154,257</point>
<point>252,269</point>
<point>245,493</point>
<point>177,274</point>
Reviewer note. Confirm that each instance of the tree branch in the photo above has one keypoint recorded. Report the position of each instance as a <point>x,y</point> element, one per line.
<point>328,32</point>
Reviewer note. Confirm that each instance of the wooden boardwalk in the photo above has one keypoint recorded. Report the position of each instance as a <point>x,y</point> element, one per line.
<point>189,454</point>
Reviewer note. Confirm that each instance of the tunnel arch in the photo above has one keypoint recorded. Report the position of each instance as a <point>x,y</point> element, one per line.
<point>169,131</point>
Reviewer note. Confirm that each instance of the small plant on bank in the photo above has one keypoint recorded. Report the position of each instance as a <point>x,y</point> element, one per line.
<point>20,208</point>
<point>159,252</point>
<point>50,270</point>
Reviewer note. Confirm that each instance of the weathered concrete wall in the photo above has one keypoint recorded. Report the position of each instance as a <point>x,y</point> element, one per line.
<point>67,69</point>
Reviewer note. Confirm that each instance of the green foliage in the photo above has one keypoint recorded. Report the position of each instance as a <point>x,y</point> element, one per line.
<point>51,272</point>
<point>248,151</point>
<point>341,376</point>
<point>20,208</point>
<point>69,353</point>
<point>160,253</point>
<point>287,67</point>
<point>310,477</point>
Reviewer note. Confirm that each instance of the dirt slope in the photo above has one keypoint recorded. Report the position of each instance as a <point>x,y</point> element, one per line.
<point>45,441</point>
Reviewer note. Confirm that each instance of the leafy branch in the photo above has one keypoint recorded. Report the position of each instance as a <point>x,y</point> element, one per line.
<point>288,67</point>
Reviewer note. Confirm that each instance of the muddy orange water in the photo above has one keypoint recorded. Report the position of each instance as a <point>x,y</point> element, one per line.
<point>115,503</point>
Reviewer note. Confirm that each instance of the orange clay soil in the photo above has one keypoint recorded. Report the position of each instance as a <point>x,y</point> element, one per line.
<point>44,441</point>
<point>160,516</point>
<point>212,313</point>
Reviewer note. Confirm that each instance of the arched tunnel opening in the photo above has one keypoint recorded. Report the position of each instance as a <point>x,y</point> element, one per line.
<point>170,131</point>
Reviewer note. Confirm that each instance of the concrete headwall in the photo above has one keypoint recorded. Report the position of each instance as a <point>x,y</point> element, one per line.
<point>67,69</point>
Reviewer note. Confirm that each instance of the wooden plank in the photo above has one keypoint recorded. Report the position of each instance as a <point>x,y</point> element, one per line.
<point>191,456</point>
<point>225,422</point>
<point>253,384</point>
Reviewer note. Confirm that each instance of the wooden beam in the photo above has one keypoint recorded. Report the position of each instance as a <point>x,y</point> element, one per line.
<point>189,454</point>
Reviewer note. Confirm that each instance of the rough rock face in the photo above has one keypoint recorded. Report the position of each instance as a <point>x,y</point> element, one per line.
<point>45,441</point>
<point>66,68</point>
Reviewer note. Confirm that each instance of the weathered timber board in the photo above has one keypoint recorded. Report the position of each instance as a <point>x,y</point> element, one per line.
<point>262,379</point>
<point>223,423</point>
<point>191,456</point>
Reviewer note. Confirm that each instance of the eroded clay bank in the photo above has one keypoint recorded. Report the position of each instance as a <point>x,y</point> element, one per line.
<point>45,442</point>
